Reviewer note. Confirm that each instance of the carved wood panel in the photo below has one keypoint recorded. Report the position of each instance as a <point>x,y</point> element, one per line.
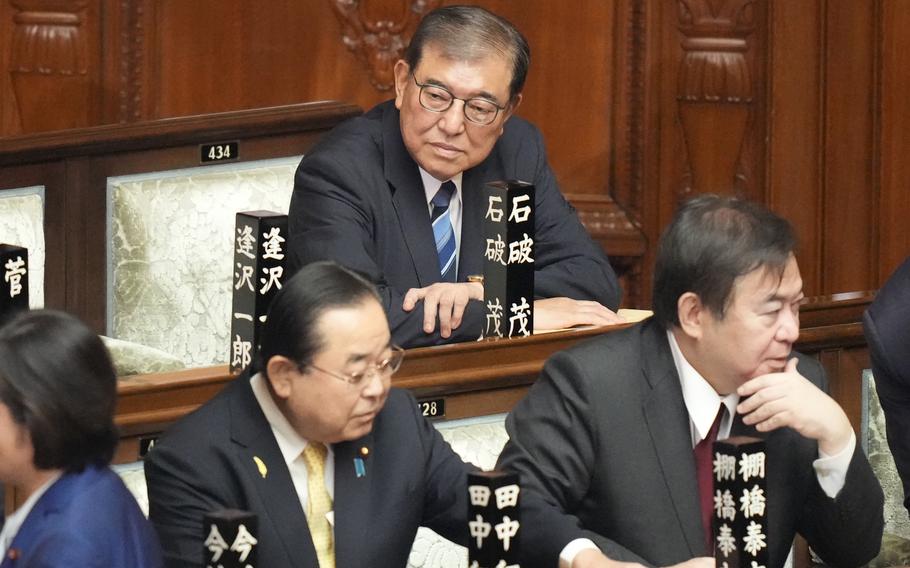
<point>51,63</point>
<point>379,42</point>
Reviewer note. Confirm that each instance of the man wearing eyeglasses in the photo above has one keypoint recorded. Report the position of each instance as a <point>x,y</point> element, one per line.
<point>397,194</point>
<point>339,468</point>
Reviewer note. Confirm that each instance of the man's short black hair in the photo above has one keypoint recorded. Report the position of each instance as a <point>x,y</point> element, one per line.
<point>470,33</point>
<point>291,328</point>
<point>57,380</point>
<point>710,242</point>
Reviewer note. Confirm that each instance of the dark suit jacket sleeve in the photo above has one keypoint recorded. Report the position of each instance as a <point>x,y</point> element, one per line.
<point>333,217</point>
<point>178,501</point>
<point>887,328</point>
<point>567,261</point>
<point>445,483</point>
<point>551,446</point>
<point>846,530</point>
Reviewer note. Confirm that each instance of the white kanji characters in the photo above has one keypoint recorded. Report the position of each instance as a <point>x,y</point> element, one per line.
<point>244,542</point>
<point>521,311</point>
<point>505,530</point>
<point>494,209</point>
<point>274,278</point>
<point>752,465</point>
<point>15,270</point>
<point>520,211</point>
<point>494,316</point>
<point>242,316</point>
<point>756,565</point>
<point>240,352</point>
<point>752,503</point>
<point>271,244</point>
<point>244,277</point>
<point>724,467</point>
<point>754,539</point>
<point>501,564</point>
<point>246,242</point>
<point>479,529</point>
<point>495,250</point>
<point>520,251</point>
<point>724,505</point>
<point>215,543</point>
<point>507,496</point>
<point>479,494</point>
<point>726,542</point>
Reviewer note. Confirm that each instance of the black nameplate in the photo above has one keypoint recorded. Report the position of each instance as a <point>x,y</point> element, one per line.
<point>432,407</point>
<point>146,443</point>
<point>219,152</point>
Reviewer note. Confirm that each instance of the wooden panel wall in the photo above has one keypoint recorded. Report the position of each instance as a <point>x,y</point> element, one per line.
<point>800,105</point>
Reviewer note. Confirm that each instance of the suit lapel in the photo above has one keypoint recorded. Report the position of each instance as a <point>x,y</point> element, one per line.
<point>668,423</point>
<point>409,200</point>
<point>352,500</point>
<point>255,445</point>
<point>42,514</point>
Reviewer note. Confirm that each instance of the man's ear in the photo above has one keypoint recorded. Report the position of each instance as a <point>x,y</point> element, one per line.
<point>691,314</point>
<point>281,372</point>
<point>510,110</point>
<point>402,71</point>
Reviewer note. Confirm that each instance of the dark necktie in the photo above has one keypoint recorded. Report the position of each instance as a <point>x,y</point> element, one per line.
<point>703,470</point>
<point>443,231</point>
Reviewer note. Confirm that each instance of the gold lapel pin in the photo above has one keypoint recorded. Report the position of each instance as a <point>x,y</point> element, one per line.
<point>263,471</point>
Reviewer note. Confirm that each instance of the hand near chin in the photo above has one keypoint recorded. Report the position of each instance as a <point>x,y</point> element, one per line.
<point>788,399</point>
<point>445,301</point>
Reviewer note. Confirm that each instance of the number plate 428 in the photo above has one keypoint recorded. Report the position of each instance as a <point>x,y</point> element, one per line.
<point>432,408</point>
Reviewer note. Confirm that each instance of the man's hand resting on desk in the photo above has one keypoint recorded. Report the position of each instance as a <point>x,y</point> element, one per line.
<point>443,299</point>
<point>447,301</point>
<point>592,558</point>
<point>560,313</point>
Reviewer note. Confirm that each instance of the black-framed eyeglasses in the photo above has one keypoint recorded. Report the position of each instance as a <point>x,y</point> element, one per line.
<point>386,367</point>
<point>439,99</point>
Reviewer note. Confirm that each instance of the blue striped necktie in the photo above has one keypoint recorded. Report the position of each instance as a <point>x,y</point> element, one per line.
<point>443,231</point>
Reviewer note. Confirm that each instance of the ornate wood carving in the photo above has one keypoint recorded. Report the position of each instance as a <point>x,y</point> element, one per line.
<point>132,49</point>
<point>49,65</point>
<point>379,43</point>
<point>714,90</point>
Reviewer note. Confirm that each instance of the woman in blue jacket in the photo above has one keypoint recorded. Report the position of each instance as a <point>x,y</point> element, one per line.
<point>57,395</point>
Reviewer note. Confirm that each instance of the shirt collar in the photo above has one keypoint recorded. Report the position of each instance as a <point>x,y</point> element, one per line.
<point>702,401</point>
<point>289,441</point>
<point>431,185</point>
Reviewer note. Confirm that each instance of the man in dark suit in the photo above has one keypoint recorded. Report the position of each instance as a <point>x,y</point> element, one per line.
<point>340,469</point>
<point>887,326</point>
<point>364,196</point>
<point>605,440</point>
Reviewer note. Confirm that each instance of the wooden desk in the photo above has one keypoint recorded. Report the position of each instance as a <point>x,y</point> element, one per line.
<point>491,376</point>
